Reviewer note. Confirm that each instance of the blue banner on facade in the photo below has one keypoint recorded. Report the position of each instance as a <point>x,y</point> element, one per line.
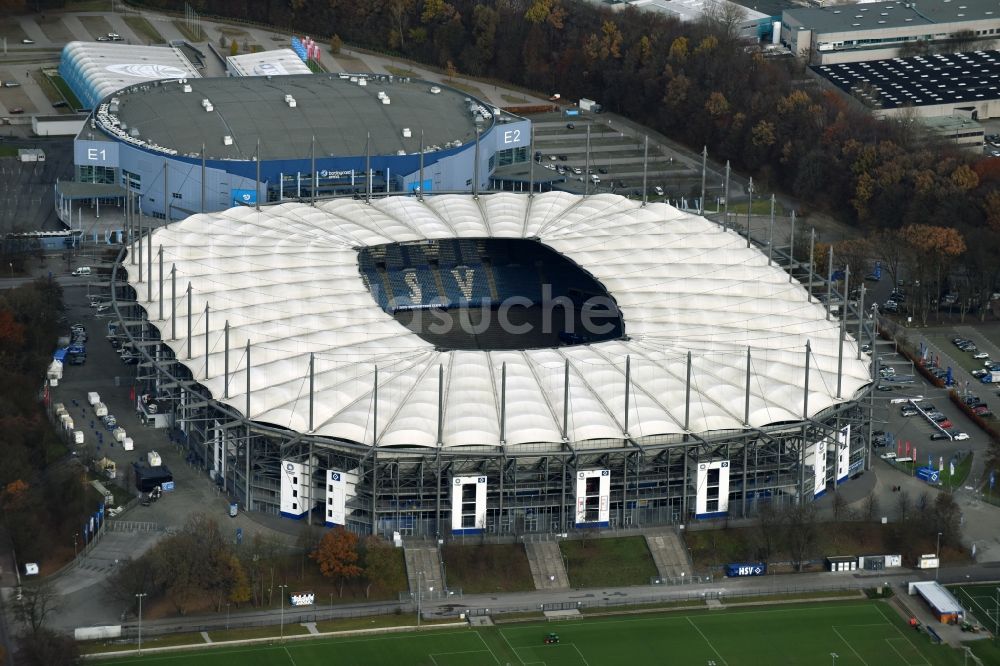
<point>244,197</point>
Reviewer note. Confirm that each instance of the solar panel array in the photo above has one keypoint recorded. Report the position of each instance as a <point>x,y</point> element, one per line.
<point>920,80</point>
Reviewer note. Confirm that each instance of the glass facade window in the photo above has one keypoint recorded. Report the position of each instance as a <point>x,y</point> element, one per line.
<point>132,181</point>
<point>510,156</point>
<point>96,174</point>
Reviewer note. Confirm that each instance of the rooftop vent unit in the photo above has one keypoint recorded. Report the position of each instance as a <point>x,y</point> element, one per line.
<point>205,102</point>
<point>227,140</point>
<point>400,152</point>
<point>407,133</point>
<point>362,82</point>
<point>134,132</point>
<point>386,100</point>
<point>187,87</point>
<point>209,107</point>
<point>381,94</point>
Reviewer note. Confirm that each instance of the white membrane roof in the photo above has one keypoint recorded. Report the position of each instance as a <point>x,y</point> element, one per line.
<point>287,280</point>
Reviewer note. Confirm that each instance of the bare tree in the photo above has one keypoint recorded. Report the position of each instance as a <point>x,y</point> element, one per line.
<point>870,508</point>
<point>727,17</point>
<point>802,532</point>
<point>37,602</point>
<point>839,506</point>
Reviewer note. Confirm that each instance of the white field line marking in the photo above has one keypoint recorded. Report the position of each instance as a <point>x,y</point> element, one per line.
<point>851,647</point>
<point>903,636</point>
<point>290,656</point>
<point>495,658</point>
<point>702,634</point>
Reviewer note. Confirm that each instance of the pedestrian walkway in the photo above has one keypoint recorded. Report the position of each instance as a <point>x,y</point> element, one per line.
<point>548,571</point>
<point>669,554</point>
<point>423,570</point>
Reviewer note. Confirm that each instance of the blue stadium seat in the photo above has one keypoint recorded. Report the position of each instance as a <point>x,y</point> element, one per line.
<point>394,257</point>
<point>413,287</point>
<point>447,253</point>
<point>465,285</point>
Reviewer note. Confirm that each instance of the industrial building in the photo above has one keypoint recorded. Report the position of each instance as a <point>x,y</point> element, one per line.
<point>186,145</point>
<point>299,350</point>
<point>841,33</point>
<point>278,62</point>
<point>956,84</point>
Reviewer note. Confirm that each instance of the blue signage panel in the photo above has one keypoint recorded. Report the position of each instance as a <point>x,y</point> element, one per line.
<point>739,569</point>
<point>244,197</point>
<point>513,135</point>
<point>427,186</point>
<point>95,153</point>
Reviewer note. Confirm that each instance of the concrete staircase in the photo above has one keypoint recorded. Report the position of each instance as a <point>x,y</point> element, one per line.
<point>669,554</point>
<point>547,568</point>
<point>423,562</point>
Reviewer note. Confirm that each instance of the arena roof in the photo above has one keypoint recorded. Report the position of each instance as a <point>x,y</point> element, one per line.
<point>279,62</point>
<point>101,68</point>
<point>336,111</point>
<point>287,280</point>
<point>940,78</point>
<point>853,17</point>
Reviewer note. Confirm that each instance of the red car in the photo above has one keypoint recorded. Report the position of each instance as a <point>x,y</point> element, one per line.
<point>945,424</point>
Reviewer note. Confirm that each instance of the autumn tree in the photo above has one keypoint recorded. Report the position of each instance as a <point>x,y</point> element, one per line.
<point>336,44</point>
<point>234,48</point>
<point>933,247</point>
<point>337,556</point>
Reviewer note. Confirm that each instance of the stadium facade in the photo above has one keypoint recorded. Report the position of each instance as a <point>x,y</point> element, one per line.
<point>187,145</point>
<point>282,340</point>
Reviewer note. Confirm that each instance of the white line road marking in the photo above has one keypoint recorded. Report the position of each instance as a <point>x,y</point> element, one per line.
<point>702,634</point>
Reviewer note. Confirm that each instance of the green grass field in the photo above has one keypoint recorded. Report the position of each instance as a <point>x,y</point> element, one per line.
<point>860,633</point>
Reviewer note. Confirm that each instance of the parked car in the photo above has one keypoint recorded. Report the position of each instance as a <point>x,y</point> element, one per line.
<point>891,306</point>
<point>979,374</point>
<point>658,190</point>
<point>940,435</point>
<point>980,355</point>
<point>570,126</point>
<point>959,436</point>
<point>27,41</point>
<point>883,387</point>
<point>17,109</point>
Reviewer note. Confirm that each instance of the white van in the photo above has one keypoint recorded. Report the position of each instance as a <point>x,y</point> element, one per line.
<point>82,270</point>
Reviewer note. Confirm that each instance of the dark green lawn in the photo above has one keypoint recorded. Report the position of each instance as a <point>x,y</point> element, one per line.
<point>859,633</point>
<point>608,562</point>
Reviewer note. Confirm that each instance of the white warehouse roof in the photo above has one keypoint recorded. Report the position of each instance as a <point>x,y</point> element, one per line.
<point>101,68</point>
<point>287,280</point>
<point>279,62</point>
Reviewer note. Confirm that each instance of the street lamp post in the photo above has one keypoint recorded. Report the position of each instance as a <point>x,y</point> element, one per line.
<point>420,595</point>
<point>76,535</point>
<point>833,657</point>
<point>938,567</point>
<point>227,616</point>
<point>139,596</point>
<point>282,588</point>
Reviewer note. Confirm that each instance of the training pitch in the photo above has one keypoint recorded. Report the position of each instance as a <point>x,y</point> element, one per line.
<point>859,633</point>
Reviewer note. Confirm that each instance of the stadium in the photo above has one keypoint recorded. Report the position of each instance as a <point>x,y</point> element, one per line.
<point>508,363</point>
<point>183,145</point>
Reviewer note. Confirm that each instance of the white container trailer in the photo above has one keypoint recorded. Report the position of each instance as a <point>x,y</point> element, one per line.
<point>93,398</point>
<point>78,437</point>
<point>100,410</point>
<point>119,434</point>
<point>154,459</point>
<point>128,444</point>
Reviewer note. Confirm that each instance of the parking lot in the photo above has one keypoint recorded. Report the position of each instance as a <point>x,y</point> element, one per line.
<point>615,161</point>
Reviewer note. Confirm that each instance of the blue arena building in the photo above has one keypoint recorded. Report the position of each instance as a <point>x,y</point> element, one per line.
<point>187,145</point>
